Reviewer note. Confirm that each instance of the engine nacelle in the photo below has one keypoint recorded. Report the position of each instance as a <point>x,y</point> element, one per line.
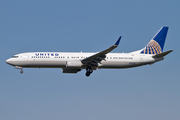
<point>68,70</point>
<point>74,64</point>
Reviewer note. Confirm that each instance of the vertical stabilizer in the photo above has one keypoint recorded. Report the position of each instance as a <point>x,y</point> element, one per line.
<point>156,45</point>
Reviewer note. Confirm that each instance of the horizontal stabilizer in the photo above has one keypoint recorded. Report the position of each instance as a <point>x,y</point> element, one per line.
<point>162,54</point>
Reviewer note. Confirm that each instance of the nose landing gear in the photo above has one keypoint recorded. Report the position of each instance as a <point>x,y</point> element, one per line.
<point>18,67</point>
<point>21,71</point>
<point>89,70</point>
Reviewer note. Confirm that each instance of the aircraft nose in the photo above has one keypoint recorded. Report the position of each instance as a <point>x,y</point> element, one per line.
<point>8,61</point>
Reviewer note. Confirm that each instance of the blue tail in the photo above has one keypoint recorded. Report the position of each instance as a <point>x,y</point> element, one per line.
<point>156,45</point>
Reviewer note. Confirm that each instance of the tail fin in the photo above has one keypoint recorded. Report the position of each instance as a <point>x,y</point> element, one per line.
<point>156,45</point>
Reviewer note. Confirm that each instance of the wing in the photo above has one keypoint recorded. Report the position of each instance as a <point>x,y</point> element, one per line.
<point>98,57</point>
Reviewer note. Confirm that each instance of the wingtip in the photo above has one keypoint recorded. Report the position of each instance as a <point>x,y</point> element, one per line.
<point>117,42</point>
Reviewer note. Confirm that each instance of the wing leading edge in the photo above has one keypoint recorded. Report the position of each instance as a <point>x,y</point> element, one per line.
<point>98,57</point>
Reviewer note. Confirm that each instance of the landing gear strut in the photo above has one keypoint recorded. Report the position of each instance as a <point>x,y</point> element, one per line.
<point>88,71</point>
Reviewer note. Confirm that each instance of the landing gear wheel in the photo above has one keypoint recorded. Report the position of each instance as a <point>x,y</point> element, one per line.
<point>88,71</point>
<point>88,74</point>
<point>21,71</point>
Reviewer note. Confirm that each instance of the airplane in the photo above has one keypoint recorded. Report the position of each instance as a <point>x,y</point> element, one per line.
<point>73,62</point>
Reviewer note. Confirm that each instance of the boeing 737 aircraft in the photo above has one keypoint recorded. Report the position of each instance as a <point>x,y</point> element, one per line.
<point>72,62</point>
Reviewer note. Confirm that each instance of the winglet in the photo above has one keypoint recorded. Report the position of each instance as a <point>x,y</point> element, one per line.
<point>117,42</point>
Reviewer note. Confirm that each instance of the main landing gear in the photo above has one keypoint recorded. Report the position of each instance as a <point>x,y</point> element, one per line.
<point>88,71</point>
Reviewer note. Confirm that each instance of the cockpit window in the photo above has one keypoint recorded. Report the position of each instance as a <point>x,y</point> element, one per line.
<point>15,57</point>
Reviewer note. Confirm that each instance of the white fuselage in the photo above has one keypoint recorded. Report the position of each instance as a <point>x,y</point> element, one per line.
<point>72,62</point>
<point>60,59</point>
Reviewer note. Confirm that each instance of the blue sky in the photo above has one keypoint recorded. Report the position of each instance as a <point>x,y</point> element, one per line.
<point>147,92</point>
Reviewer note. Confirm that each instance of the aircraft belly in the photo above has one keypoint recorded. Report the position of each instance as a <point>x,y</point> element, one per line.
<point>48,64</point>
<point>118,64</point>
